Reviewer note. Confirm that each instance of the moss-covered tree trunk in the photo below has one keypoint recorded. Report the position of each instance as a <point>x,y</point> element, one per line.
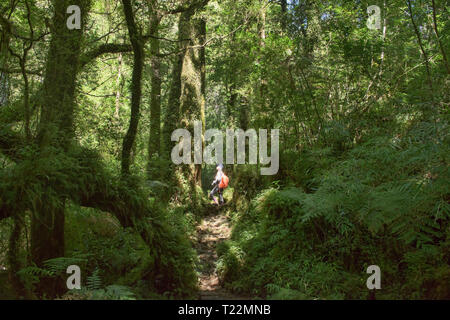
<point>262,86</point>
<point>14,247</point>
<point>192,98</point>
<point>55,133</point>
<point>438,38</point>
<point>173,108</point>
<point>136,88</point>
<point>428,113</point>
<point>4,81</point>
<point>154,143</point>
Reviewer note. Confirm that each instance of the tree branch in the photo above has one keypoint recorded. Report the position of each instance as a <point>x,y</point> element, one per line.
<point>104,49</point>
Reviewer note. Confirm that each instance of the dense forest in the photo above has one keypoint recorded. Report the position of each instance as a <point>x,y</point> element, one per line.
<point>91,92</point>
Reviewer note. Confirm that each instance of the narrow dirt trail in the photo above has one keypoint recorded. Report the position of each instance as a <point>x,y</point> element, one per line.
<point>213,229</point>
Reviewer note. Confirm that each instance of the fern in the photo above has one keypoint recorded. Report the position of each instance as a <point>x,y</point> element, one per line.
<point>119,292</point>
<point>57,266</point>
<point>94,282</point>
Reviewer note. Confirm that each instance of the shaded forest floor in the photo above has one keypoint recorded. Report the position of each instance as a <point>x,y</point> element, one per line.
<point>212,230</point>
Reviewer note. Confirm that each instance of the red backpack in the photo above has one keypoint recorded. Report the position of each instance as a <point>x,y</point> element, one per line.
<point>224,182</point>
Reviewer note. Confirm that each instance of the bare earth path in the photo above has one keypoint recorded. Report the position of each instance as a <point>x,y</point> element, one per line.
<point>213,229</point>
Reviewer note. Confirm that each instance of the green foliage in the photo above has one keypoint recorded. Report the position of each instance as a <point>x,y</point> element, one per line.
<point>364,148</point>
<point>384,202</point>
<point>119,256</point>
<point>94,282</point>
<point>112,292</point>
<point>245,181</point>
<point>30,276</point>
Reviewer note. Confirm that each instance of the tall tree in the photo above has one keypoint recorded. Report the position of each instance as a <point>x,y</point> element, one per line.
<point>154,143</point>
<point>56,131</point>
<point>427,112</point>
<point>136,85</point>
<point>283,4</point>
<point>192,98</point>
<point>436,31</point>
<point>173,106</point>
<point>4,44</point>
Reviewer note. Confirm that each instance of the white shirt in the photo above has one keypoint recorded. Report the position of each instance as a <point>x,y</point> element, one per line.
<point>219,175</point>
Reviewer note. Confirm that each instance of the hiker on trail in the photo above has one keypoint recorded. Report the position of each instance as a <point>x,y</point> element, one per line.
<point>220,182</point>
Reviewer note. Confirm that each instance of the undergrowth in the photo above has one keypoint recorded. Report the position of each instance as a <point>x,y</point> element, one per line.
<point>384,202</point>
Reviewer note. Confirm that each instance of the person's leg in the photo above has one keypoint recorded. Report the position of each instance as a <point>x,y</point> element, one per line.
<point>220,196</point>
<point>213,192</point>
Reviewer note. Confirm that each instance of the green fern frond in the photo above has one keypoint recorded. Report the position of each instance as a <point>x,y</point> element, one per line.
<point>94,282</point>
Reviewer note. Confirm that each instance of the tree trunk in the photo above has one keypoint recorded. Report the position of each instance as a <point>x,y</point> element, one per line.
<point>136,89</point>
<point>428,113</point>
<point>444,56</point>
<point>4,85</point>
<point>283,4</point>
<point>13,256</point>
<point>192,99</point>
<point>56,125</point>
<point>119,75</point>
<point>56,131</point>
<point>262,43</point>
<point>154,143</point>
<point>47,241</point>
<point>202,36</point>
<point>173,107</point>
